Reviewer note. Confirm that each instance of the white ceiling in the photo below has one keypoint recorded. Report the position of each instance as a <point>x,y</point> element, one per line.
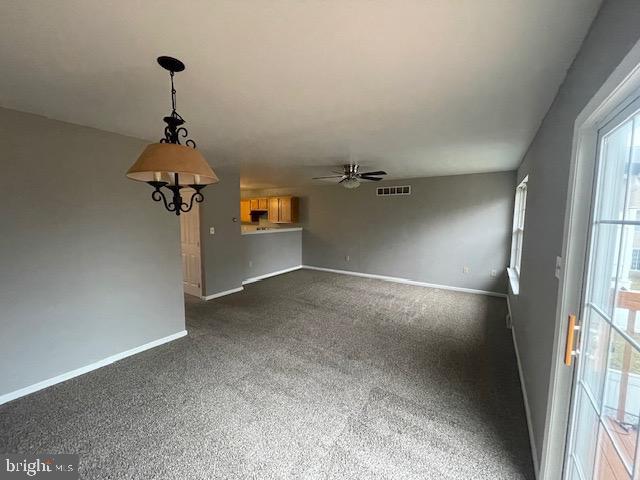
<point>289,87</point>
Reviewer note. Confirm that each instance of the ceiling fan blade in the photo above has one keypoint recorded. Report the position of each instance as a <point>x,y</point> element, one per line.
<point>378,172</point>
<point>375,179</point>
<point>331,176</point>
<point>345,177</point>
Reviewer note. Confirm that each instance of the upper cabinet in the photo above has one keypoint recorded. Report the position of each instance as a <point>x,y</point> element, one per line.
<point>258,204</point>
<point>283,209</point>
<point>279,209</point>
<point>245,211</point>
<point>273,210</point>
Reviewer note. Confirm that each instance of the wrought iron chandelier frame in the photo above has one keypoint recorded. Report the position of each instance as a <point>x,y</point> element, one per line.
<point>173,132</point>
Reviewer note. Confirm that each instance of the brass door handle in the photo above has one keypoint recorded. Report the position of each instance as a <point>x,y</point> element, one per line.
<point>571,335</point>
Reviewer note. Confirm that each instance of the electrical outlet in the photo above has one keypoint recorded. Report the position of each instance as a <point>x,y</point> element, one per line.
<point>212,230</point>
<point>465,269</point>
<point>494,273</point>
<point>347,258</point>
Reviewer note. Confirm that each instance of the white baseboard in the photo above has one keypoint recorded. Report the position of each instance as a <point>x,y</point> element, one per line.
<point>272,274</point>
<point>509,315</point>
<point>527,410</point>
<point>222,294</point>
<point>407,281</point>
<point>7,397</point>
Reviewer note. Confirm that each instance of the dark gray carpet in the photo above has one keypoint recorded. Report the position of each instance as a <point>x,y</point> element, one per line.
<point>305,375</point>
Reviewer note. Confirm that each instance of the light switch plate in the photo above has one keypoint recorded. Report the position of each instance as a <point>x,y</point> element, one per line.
<point>212,230</point>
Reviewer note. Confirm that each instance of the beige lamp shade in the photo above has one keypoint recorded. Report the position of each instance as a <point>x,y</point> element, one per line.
<point>159,161</point>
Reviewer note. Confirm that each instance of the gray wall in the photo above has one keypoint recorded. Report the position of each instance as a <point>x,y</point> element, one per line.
<point>222,253</point>
<point>271,252</point>
<point>614,31</point>
<point>446,224</point>
<point>89,264</point>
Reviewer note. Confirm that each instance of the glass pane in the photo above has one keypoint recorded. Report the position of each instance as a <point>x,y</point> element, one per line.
<point>612,181</point>
<point>608,463</point>
<point>632,205</point>
<point>604,266</point>
<point>518,251</point>
<point>595,354</point>
<point>523,206</point>
<point>622,395</point>
<point>628,284</point>
<point>585,436</point>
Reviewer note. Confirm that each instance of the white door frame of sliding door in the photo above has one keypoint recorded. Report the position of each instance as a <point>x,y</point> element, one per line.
<point>616,93</point>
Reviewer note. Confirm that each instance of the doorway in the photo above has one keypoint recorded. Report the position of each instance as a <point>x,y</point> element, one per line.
<point>605,409</point>
<point>190,249</point>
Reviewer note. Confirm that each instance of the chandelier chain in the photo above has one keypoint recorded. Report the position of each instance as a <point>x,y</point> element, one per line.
<point>173,95</point>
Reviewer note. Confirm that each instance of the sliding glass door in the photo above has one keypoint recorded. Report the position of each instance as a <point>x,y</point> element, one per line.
<point>603,442</point>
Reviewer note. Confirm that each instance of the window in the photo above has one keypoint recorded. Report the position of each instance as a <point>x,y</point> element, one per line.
<point>518,234</point>
<point>635,259</point>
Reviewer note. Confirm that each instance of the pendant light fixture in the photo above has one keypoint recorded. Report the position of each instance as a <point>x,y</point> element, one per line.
<point>171,165</point>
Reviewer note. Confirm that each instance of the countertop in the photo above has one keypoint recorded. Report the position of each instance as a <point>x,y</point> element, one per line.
<point>272,230</point>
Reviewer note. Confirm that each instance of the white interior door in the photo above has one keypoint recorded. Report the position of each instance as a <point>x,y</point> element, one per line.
<point>190,245</point>
<point>603,438</point>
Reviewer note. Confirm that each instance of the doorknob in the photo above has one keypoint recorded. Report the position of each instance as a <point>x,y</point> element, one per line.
<point>569,352</point>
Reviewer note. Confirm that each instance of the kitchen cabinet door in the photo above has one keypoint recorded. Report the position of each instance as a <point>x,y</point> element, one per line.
<point>274,210</point>
<point>263,204</point>
<point>284,210</point>
<point>255,205</point>
<point>245,211</point>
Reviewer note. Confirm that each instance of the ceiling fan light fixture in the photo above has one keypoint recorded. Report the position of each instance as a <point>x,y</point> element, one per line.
<point>351,183</point>
<point>351,176</point>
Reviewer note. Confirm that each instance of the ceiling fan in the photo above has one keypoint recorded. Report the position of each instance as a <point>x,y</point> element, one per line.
<point>351,176</point>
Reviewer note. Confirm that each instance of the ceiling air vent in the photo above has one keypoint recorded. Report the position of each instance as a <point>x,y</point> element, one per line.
<point>388,191</point>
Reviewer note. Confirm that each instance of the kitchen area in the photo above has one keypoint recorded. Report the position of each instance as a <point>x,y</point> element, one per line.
<point>271,236</point>
<point>268,213</point>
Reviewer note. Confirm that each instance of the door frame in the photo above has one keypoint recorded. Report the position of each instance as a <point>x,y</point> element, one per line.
<point>628,110</point>
<point>195,211</point>
<point>618,91</point>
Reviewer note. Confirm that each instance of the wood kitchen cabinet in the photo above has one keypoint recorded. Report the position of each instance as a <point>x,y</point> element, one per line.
<point>283,209</point>
<point>258,204</point>
<point>273,210</point>
<point>279,209</point>
<point>245,211</point>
